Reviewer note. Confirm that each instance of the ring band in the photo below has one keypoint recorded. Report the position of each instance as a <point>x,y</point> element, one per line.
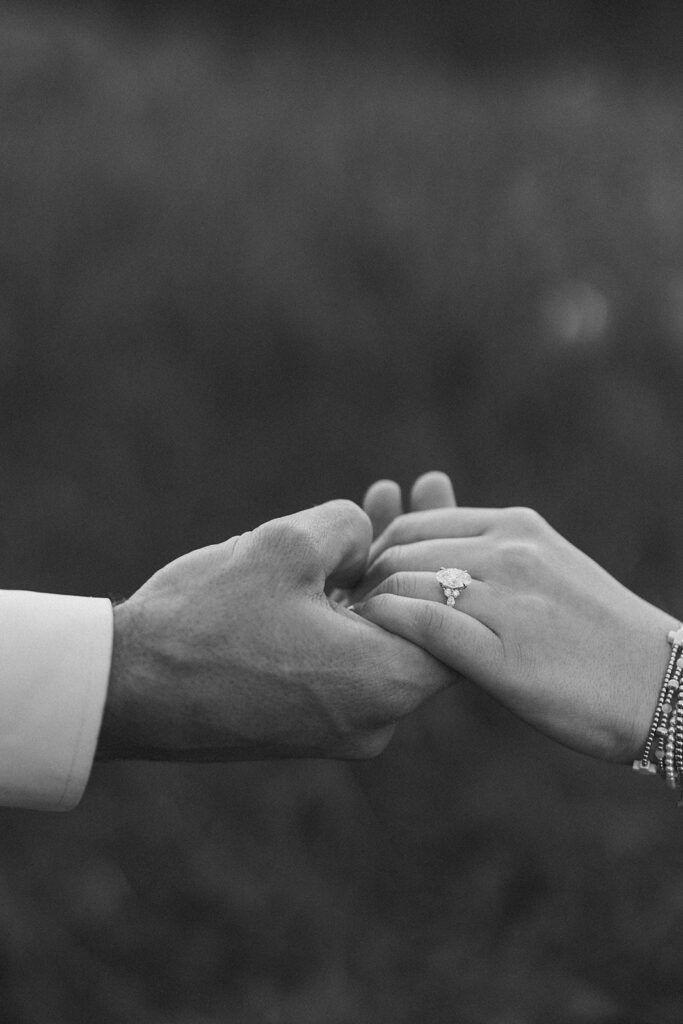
<point>453,582</point>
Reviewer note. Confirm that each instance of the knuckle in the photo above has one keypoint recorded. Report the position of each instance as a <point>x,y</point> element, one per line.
<point>429,618</point>
<point>518,557</point>
<point>234,546</point>
<point>524,520</point>
<point>381,603</point>
<point>287,538</point>
<point>350,514</point>
<point>539,610</point>
<point>399,583</point>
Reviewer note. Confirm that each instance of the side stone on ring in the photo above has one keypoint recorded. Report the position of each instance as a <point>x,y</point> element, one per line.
<point>453,582</point>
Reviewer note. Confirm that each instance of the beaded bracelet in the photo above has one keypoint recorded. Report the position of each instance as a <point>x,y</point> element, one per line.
<point>663,751</point>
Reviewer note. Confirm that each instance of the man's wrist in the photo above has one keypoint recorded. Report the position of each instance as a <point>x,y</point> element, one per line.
<point>115,735</point>
<point>150,714</point>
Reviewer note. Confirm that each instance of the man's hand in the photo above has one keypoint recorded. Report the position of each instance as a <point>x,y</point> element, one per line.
<point>234,651</point>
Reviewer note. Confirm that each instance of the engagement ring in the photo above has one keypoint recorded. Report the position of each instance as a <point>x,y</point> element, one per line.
<point>453,582</point>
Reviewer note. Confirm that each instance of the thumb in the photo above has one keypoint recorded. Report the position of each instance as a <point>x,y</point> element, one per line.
<point>454,638</point>
<point>409,672</point>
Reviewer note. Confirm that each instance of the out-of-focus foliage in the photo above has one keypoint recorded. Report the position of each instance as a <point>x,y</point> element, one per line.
<point>636,34</point>
<point>236,282</point>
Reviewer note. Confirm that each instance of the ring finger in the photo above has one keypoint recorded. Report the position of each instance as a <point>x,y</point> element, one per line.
<point>476,600</point>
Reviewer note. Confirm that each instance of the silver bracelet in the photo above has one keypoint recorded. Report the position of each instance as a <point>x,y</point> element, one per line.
<point>663,750</point>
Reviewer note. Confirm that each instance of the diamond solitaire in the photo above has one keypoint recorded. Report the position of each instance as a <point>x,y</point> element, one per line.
<point>452,582</point>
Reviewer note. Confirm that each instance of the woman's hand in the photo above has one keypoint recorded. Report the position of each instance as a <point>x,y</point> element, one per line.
<point>541,627</point>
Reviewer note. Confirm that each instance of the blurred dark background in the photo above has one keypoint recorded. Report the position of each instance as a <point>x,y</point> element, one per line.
<point>256,255</point>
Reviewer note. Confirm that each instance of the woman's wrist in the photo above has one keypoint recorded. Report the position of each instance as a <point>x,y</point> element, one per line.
<point>662,751</point>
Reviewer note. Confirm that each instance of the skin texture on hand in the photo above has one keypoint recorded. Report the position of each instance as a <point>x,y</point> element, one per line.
<point>542,627</point>
<point>235,652</point>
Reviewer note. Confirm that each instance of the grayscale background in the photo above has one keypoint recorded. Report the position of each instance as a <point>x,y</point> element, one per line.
<point>255,255</point>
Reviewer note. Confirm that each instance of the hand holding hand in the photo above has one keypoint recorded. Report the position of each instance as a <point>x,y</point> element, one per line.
<point>234,651</point>
<point>541,627</point>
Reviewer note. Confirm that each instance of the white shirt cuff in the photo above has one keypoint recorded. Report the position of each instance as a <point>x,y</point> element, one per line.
<point>55,658</point>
